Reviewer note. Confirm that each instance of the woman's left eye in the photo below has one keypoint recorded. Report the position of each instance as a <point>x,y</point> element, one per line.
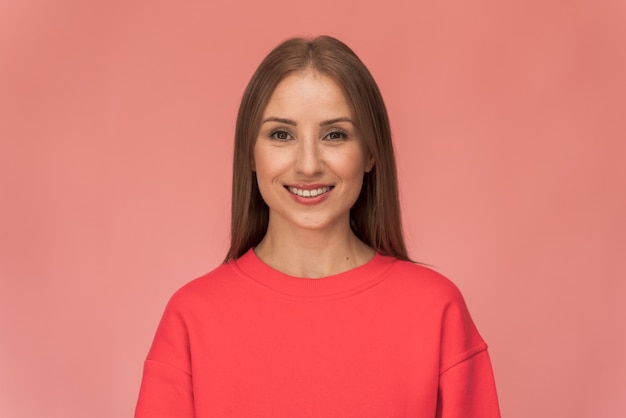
<point>335,136</point>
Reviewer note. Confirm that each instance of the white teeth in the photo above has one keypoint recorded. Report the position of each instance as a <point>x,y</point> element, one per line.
<point>309,193</point>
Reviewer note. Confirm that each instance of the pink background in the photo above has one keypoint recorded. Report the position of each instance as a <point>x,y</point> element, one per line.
<point>116,127</point>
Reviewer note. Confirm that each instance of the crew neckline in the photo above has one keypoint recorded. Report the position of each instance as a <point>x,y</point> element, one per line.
<point>337,286</point>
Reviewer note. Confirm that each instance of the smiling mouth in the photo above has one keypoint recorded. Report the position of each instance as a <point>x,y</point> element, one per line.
<point>309,193</point>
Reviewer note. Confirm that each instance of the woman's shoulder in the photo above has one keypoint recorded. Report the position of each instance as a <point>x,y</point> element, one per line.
<point>216,282</point>
<point>432,295</point>
<point>424,279</point>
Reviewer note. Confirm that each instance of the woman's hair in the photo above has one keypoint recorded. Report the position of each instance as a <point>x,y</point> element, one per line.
<point>375,216</point>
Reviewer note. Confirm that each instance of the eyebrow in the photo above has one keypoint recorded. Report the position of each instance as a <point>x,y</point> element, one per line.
<point>337,120</point>
<point>293,123</point>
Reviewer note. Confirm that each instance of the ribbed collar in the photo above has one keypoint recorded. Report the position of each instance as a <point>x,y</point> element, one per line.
<point>331,287</point>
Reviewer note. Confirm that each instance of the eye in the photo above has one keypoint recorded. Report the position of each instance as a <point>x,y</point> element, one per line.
<point>335,136</point>
<point>280,135</point>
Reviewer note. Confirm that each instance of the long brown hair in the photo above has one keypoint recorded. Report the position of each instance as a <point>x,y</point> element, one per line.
<point>375,217</point>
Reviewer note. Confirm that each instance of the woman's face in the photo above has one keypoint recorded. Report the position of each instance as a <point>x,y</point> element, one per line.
<point>308,157</point>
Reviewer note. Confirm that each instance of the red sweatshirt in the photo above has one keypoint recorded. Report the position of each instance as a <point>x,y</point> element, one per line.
<point>387,339</point>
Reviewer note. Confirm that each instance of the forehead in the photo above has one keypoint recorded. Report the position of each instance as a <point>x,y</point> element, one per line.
<point>308,91</point>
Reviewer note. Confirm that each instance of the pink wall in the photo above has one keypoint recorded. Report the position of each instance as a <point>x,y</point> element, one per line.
<point>116,125</point>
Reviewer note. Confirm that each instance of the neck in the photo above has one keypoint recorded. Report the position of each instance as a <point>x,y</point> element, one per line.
<point>313,254</point>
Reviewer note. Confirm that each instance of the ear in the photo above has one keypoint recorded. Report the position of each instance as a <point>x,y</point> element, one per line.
<point>252,164</point>
<point>370,164</point>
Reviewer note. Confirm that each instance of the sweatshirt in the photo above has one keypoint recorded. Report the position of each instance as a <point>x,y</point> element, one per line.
<point>387,339</point>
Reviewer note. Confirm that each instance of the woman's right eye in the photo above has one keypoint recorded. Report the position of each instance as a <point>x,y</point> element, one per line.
<point>280,135</point>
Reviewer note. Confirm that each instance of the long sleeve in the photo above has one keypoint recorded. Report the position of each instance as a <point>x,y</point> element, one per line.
<point>165,392</point>
<point>467,390</point>
<point>387,339</point>
<point>466,384</point>
<point>166,387</point>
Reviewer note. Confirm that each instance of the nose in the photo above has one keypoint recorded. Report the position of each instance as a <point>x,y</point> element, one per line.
<point>308,157</point>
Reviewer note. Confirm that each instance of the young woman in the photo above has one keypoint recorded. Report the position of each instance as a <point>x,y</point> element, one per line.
<point>317,310</point>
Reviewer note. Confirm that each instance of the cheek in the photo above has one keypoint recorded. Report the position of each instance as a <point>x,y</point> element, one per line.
<point>352,164</point>
<point>261,174</point>
<point>269,163</point>
<point>260,160</point>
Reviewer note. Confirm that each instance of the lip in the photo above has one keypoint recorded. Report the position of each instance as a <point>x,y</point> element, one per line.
<point>309,186</point>
<point>309,200</point>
